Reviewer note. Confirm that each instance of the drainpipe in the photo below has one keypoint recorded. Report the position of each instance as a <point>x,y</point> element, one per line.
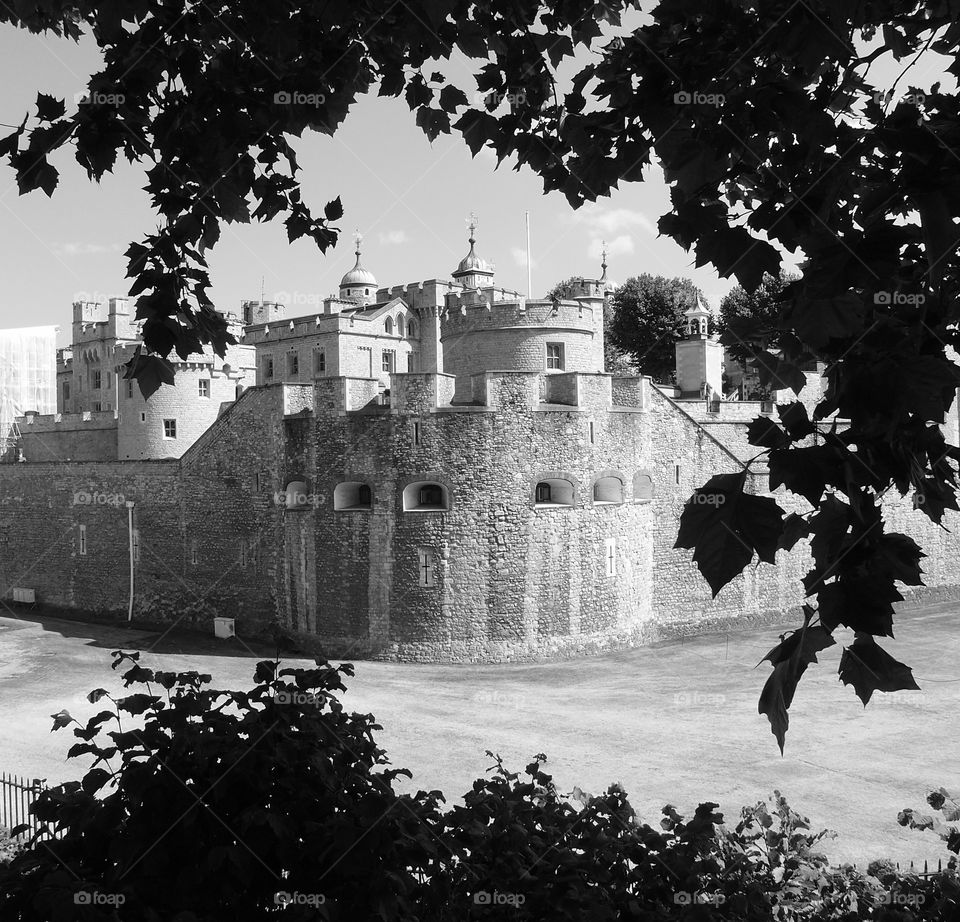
<point>130,532</point>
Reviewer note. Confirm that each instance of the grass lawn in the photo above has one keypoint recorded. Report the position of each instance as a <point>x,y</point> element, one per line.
<point>674,723</point>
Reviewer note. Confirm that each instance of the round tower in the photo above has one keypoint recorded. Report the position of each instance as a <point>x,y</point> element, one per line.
<point>358,284</point>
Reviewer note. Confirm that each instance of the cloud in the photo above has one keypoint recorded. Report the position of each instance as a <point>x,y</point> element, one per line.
<point>619,246</point>
<point>611,221</point>
<point>520,257</point>
<point>86,249</point>
<point>393,238</point>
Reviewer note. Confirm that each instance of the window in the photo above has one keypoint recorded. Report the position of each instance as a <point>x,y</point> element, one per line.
<point>83,540</point>
<point>608,490</point>
<point>400,326</point>
<point>268,367</point>
<point>143,417</point>
<point>98,407</point>
<point>204,387</point>
<point>425,496</point>
<point>169,428</point>
<point>109,382</point>
<point>129,390</point>
<point>412,329</point>
<point>427,573</point>
<point>319,362</point>
<point>554,356</point>
<point>293,364</point>
<point>416,433</point>
<point>610,555</point>
<point>593,436</point>
<point>554,492</point>
<point>388,326</point>
<point>642,488</point>
<point>193,552</point>
<point>66,390</point>
<point>352,495</point>
<point>676,471</point>
<point>97,379</point>
<point>389,358</point>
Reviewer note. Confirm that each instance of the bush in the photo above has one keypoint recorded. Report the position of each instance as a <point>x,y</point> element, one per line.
<point>206,805</point>
<point>9,845</point>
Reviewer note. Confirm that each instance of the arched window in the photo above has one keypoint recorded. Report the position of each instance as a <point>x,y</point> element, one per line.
<point>412,329</point>
<point>642,488</point>
<point>425,496</point>
<point>608,490</point>
<point>388,326</point>
<point>352,495</point>
<point>554,492</point>
<point>296,495</point>
<point>400,325</point>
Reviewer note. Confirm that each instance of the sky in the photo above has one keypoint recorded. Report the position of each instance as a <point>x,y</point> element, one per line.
<point>409,198</point>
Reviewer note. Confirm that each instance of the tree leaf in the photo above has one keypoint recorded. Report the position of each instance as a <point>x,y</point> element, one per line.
<point>725,527</point>
<point>868,668</point>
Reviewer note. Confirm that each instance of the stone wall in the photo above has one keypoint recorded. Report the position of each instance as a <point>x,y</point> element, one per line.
<point>69,437</point>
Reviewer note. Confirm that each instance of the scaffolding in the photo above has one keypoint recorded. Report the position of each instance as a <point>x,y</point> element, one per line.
<point>28,378</point>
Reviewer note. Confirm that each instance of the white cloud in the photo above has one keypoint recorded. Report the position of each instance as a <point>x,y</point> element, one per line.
<point>86,249</point>
<point>393,238</point>
<point>610,221</point>
<point>619,246</point>
<point>520,257</point>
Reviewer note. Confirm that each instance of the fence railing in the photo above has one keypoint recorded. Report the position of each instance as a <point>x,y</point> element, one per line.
<point>16,796</point>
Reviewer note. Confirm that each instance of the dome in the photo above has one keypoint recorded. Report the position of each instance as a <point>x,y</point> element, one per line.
<point>358,277</point>
<point>472,263</point>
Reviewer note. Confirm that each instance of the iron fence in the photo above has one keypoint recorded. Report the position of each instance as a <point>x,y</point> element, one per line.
<point>16,796</point>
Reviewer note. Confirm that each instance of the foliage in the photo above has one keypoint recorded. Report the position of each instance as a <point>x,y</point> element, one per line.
<point>185,608</point>
<point>9,845</point>
<point>752,316</point>
<point>648,320</point>
<point>614,360</point>
<point>226,806</point>
<point>771,136</point>
<point>947,828</point>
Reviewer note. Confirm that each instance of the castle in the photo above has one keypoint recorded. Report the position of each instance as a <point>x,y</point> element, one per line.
<point>436,471</point>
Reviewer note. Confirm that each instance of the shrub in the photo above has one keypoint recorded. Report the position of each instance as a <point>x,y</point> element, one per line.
<point>226,806</point>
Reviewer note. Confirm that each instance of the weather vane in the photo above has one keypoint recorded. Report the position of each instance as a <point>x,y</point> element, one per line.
<point>357,239</point>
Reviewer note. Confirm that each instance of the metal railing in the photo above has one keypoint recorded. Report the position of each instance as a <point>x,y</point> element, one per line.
<point>16,796</point>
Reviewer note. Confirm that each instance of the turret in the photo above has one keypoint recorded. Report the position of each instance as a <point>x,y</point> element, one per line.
<point>358,284</point>
<point>699,355</point>
<point>474,272</point>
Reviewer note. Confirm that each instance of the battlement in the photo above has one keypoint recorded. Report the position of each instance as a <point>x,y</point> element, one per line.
<point>37,423</point>
<point>473,311</point>
<point>418,393</point>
